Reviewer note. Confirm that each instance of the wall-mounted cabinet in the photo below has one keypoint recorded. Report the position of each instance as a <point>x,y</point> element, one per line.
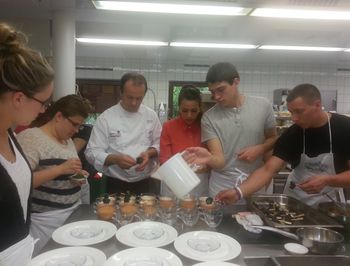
<point>101,93</point>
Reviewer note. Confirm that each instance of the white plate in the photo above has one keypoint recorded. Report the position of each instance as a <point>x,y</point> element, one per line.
<point>207,246</point>
<point>84,233</point>
<point>79,256</point>
<point>215,263</point>
<point>146,234</point>
<point>295,248</point>
<point>144,256</point>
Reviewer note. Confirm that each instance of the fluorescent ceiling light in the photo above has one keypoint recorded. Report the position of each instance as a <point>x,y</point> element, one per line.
<point>300,48</point>
<point>121,42</point>
<point>172,8</point>
<point>347,50</point>
<point>213,45</point>
<point>299,13</point>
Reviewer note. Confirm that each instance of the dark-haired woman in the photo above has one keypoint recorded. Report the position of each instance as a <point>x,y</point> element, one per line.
<point>54,159</point>
<point>183,132</point>
<point>25,91</point>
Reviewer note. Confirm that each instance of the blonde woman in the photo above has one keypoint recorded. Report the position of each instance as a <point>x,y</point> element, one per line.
<point>25,91</point>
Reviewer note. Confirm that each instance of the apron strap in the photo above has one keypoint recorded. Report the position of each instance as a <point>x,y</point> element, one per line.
<point>330,137</point>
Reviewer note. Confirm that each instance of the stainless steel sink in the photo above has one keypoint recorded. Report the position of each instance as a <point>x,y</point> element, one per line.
<point>307,260</point>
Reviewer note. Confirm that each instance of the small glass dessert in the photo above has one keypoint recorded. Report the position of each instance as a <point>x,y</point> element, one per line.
<point>127,209</point>
<point>148,206</point>
<point>105,207</point>
<point>188,203</point>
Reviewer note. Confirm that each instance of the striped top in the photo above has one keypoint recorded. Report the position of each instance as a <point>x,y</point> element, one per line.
<point>43,152</point>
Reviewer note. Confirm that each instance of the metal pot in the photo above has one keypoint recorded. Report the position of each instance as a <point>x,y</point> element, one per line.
<point>317,239</point>
<point>320,240</point>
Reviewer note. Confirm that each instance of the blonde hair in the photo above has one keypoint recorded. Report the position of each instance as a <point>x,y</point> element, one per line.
<point>21,68</point>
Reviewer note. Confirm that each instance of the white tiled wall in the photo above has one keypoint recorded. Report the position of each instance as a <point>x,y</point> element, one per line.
<point>256,79</point>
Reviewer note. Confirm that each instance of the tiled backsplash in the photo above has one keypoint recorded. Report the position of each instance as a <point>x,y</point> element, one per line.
<point>256,79</point>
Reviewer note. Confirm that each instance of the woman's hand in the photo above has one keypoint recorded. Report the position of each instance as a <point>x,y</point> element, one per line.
<point>82,181</point>
<point>71,166</point>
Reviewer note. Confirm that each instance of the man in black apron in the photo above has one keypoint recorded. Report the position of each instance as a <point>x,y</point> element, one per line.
<point>317,146</point>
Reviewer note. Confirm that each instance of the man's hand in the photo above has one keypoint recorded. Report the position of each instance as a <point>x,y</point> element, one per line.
<point>144,161</point>
<point>228,196</point>
<point>125,161</point>
<point>197,155</point>
<point>250,154</point>
<point>314,184</point>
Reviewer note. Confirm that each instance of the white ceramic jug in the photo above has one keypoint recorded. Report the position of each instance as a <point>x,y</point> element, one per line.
<point>178,175</point>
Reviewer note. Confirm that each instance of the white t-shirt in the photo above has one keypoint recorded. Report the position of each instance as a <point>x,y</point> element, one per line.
<point>119,131</point>
<point>20,173</point>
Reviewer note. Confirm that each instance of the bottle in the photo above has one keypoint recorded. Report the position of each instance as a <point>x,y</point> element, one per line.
<point>162,114</point>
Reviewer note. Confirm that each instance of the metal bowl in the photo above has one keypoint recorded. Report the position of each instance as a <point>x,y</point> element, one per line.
<point>320,240</point>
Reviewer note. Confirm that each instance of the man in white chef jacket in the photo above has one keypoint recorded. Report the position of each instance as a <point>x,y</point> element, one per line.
<point>317,146</point>
<point>237,131</point>
<point>124,142</point>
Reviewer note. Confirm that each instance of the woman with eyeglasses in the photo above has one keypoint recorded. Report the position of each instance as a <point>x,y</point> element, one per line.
<point>54,160</point>
<point>25,86</point>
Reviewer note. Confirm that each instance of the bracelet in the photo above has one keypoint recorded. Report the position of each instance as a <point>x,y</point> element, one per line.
<point>239,192</point>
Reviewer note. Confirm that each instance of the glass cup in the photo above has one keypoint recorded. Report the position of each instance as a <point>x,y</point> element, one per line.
<point>148,209</point>
<point>166,202</point>
<point>148,198</point>
<point>212,215</point>
<point>188,211</point>
<point>106,212</point>
<point>127,212</point>
<point>167,209</point>
<point>105,207</point>
<point>188,203</point>
<point>189,216</point>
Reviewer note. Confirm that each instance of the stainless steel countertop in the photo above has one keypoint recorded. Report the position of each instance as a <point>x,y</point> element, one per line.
<point>253,245</point>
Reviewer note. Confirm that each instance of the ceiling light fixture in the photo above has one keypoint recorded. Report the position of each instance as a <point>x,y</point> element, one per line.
<point>172,8</point>
<point>121,42</point>
<point>347,50</point>
<point>300,48</point>
<point>301,14</point>
<point>213,45</point>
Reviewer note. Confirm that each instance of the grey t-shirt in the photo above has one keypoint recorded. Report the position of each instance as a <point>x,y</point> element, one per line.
<point>236,129</point>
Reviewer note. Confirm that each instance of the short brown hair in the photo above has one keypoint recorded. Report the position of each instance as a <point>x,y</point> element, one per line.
<point>223,71</point>
<point>137,78</point>
<point>308,92</point>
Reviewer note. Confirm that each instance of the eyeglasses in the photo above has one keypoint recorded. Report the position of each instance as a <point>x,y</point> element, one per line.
<point>45,104</point>
<point>74,124</point>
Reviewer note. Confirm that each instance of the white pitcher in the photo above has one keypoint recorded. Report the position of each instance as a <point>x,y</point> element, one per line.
<point>178,175</point>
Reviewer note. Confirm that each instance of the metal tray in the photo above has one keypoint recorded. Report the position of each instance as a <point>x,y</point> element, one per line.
<point>312,217</point>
